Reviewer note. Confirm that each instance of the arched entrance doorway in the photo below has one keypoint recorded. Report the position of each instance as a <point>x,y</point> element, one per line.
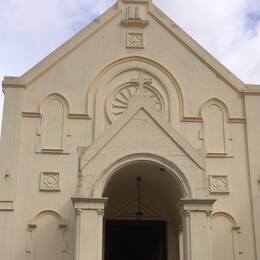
<point>141,217</point>
<point>107,226</point>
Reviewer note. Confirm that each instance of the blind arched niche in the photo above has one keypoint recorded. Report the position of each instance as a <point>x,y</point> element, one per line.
<point>215,130</point>
<point>47,236</point>
<point>53,130</point>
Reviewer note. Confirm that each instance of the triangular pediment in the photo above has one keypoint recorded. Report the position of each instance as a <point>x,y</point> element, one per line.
<point>105,20</point>
<point>151,129</point>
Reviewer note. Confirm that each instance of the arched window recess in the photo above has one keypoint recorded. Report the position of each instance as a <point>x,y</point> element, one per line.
<point>216,131</point>
<point>53,132</point>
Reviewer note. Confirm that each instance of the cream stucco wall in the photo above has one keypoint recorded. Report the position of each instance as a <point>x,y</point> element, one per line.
<point>79,77</point>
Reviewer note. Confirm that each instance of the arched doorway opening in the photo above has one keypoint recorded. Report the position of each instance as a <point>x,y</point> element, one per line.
<point>141,217</point>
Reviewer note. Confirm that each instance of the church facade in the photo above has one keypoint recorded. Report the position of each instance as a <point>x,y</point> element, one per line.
<point>130,141</point>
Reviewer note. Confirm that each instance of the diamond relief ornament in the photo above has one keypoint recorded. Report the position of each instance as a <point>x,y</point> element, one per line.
<point>135,40</point>
<point>49,181</point>
<point>219,184</point>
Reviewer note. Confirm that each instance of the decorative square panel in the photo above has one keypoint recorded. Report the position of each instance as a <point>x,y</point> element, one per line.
<point>135,40</point>
<point>218,184</point>
<point>50,181</point>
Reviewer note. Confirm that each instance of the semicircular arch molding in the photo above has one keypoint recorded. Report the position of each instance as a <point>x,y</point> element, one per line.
<point>61,222</point>
<point>215,102</point>
<point>53,131</point>
<point>216,134</point>
<point>227,216</point>
<point>170,168</point>
<point>225,234</point>
<point>47,231</point>
<point>163,86</point>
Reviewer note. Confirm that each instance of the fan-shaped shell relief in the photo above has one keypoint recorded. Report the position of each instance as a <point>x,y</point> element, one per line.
<point>118,102</point>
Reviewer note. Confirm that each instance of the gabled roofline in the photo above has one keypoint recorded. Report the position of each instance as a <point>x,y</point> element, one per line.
<point>221,71</point>
<point>91,152</point>
<point>65,49</point>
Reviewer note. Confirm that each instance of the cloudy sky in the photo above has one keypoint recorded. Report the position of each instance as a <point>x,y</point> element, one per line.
<point>228,29</point>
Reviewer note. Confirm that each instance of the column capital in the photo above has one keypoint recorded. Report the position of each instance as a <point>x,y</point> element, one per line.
<point>101,212</point>
<point>196,205</point>
<point>86,203</point>
<point>77,211</point>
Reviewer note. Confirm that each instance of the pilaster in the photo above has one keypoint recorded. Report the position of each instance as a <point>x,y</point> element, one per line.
<point>195,215</point>
<point>89,214</point>
<point>252,106</point>
<point>9,164</point>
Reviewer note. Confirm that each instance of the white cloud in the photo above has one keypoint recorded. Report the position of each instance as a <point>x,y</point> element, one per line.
<point>31,29</point>
<point>229,29</point>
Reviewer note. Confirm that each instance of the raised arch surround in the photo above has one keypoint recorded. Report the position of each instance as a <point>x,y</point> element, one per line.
<point>53,131</point>
<point>61,222</point>
<point>169,168</point>
<point>90,203</point>
<point>216,133</point>
<point>51,97</point>
<point>118,102</point>
<point>161,190</point>
<point>37,239</point>
<point>123,65</point>
<point>163,87</point>
<point>225,235</point>
<point>224,107</point>
<point>227,216</point>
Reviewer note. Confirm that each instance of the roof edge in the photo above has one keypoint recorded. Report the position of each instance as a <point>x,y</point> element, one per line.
<point>65,49</point>
<point>221,71</point>
<point>13,82</point>
<point>252,89</point>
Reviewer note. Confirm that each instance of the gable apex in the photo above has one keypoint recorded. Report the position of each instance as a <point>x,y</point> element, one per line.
<point>56,56</point>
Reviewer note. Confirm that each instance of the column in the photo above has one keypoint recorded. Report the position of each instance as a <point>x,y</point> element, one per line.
<point>195,215</point>
<point>89,214</point>
<point>77,232</point>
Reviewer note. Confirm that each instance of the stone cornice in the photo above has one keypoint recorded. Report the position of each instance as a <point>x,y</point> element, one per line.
<point>253,90</point>
<point>88,203</point>
<point>186,206</point>
<point>197,204</point>
<point>13,82</point>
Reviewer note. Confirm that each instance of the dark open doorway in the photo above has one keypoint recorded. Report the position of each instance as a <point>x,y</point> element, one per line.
<point>135,240</point>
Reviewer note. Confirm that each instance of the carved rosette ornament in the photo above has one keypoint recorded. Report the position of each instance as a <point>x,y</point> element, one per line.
<point>118,102</point>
